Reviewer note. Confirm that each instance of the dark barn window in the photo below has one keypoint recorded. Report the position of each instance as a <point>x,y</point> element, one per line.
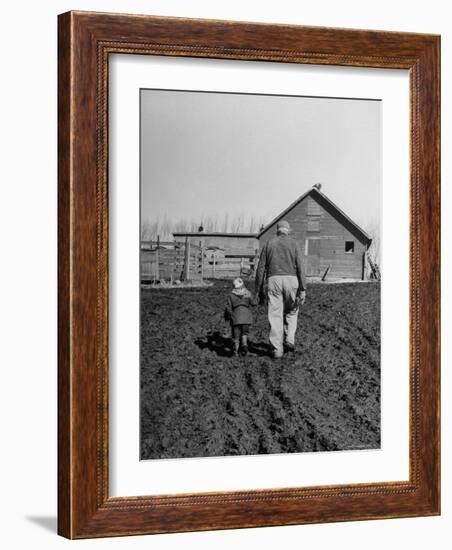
<point>349,247</point>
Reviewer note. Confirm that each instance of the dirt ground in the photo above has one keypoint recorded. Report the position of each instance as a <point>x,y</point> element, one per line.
<point>198,400</point>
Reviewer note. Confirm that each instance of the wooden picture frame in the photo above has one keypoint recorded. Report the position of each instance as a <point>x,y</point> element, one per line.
<point>85,42</point>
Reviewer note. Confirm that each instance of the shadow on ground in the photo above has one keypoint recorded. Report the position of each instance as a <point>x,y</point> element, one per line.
<point>223,346</point>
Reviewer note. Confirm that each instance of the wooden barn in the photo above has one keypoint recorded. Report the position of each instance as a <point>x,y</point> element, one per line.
<point>329,239</point>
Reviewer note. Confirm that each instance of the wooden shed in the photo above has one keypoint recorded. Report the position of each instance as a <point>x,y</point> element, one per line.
<point>224,254</point>
<point>328,238</point>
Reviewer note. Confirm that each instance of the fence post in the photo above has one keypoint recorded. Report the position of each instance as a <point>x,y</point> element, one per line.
<point>187,259</point>
<point>175,263</point>
<point>157,259</point>
<point>179,263</point>
<point>255,262</point>
<point>201,252</point>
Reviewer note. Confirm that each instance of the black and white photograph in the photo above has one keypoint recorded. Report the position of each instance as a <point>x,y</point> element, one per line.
<point>260,273</point>
<point>230,314</point>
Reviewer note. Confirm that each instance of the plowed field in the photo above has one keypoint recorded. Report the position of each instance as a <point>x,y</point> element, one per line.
<point>198,400</point>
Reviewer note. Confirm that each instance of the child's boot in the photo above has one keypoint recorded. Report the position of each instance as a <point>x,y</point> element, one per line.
<point>236,346</point>
<point>244,346</point>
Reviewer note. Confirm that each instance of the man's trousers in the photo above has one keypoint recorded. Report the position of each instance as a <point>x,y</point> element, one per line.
<point>282,313</point>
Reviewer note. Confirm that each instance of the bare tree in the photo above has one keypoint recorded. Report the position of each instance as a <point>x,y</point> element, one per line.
<point>164,227</point>
<point>237,224</point>
<point>255,223</point>
<point>180,226</point>
<point>225,224</point>
<point>373,229</point>
<point>146,232</point>
<point>211,223</point>
<point>149,229</point>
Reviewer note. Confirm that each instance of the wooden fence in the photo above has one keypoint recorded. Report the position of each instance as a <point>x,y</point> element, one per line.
<point>182,261</point>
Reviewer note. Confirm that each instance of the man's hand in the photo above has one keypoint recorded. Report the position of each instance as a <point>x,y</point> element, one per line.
<point>301,298</point>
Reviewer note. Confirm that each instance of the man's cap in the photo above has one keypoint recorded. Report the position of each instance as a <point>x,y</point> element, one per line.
<point>283,225</point>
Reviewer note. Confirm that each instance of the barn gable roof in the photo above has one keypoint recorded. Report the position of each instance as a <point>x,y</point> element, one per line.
<point>335,209</point>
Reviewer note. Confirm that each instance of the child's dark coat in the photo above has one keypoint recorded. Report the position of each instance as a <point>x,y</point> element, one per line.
<point>238,308</point>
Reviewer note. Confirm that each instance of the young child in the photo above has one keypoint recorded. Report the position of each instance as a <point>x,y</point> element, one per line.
<point>238,313</point>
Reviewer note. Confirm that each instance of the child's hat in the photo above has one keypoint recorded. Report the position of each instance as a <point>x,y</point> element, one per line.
<point>237,283</point>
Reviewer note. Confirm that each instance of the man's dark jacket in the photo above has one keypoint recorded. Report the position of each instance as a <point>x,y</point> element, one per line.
<point>280,256</point>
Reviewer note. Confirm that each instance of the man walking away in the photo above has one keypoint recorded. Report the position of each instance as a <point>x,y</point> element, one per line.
<point>280,264</point>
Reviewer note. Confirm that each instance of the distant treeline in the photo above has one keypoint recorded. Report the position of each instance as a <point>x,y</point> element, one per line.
<point>165,227</point>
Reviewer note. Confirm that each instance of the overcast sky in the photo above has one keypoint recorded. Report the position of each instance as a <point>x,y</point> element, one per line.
<point>207,154</point>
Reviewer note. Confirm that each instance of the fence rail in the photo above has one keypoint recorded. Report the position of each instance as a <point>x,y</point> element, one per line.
<point>181,261</point>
